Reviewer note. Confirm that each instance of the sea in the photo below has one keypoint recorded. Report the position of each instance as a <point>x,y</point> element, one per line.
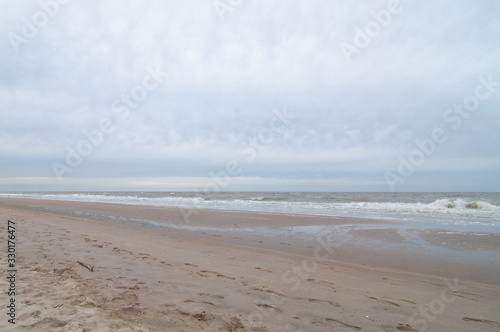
<point>467,211</point>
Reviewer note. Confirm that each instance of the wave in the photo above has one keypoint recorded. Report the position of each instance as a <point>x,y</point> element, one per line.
<point>457,206</point>
<point>444,204</point>
<point>463,210</point>
<point>461,204</point>
<point>269,199</point>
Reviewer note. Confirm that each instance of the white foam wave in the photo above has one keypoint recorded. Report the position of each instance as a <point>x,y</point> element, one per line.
<point>463,211</point>
<point>460,204</point>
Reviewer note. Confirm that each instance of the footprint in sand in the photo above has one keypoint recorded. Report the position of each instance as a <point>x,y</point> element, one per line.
<point>130,312</point>
<point>484,321</point>
<point>331,322</point>
<point>267,306</point>
<point>325,301</point>
<point>144,256</point>
<point>218,274</point>
<point>212,296</point>
<point>383,301</point>
<point>124,298</point>
<point>203,302</point>
<point>267,291</point>
<point>119,251</point>
<point>406,327</point>
<point>324,283</point>
<point>209,303</point>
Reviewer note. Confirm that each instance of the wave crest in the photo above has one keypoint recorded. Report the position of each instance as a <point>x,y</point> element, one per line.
<point>462,204</point>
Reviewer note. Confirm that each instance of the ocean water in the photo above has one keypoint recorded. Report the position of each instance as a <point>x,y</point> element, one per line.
<point>464,211</point>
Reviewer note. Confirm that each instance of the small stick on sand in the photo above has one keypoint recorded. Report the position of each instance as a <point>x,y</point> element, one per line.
<point>91,268</point>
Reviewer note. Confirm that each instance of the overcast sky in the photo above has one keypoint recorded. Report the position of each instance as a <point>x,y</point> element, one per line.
<point>285,95</point>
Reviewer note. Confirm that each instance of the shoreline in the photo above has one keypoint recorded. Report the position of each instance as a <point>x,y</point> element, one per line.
<point>177,279</point>
<point>421,209</point>
<point>361,241</point>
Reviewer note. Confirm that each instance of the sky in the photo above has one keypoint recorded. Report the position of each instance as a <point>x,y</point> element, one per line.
<point>250,95</point>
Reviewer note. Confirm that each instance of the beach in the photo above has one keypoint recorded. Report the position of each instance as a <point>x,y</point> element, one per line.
<point>156,270</point>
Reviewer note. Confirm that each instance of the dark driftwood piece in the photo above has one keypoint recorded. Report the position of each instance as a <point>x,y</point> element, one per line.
<point>91,268</point>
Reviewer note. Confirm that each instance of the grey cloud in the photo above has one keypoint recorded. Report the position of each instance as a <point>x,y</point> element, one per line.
<point>225,78</point>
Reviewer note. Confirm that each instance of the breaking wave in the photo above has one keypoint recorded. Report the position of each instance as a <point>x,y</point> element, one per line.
<point>461,204</point>
<point>457,208</point>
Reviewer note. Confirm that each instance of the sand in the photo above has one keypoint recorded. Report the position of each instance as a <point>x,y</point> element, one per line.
<point>153,278</point>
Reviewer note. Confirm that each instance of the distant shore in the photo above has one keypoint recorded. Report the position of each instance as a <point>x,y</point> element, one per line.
<point>155,269</point>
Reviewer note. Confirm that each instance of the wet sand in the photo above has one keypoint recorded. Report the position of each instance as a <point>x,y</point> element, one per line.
<point>219,271</point>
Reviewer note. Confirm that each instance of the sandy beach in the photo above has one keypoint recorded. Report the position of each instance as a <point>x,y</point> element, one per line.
<point>212,274</point>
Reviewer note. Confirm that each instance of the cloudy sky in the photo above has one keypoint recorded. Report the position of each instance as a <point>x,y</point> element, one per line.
<point>285,95</point>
